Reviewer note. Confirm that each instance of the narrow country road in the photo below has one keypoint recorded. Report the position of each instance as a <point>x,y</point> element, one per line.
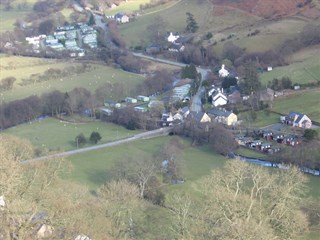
<point>145,135</point>
<point>196,104</point>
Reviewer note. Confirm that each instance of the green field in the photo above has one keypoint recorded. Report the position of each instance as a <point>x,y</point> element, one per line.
<point>18,11</point>
<point>126,7</point>
<point>58,135</point>
<point>300,71</point>
<point>91,168</point>
<point>307,102</point>
<point>20,67</point>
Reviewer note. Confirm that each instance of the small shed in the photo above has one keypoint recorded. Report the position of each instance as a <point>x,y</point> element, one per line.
<point>143,98</point>
<point>131,100</point>
<point>140,109</point>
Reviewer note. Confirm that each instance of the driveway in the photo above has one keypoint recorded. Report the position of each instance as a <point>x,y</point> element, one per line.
<point>274,127</point>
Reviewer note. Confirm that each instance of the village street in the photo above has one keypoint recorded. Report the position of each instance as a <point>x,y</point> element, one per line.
<point>196,104</point>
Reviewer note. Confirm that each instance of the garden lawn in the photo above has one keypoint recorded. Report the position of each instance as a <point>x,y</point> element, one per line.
<point>264,118</point>
<point>307,102</point>
<point>56,135</point>
<point>243,151</point>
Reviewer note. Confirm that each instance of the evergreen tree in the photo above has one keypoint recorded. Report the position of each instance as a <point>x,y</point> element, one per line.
<point>251,82</point>
<point>192,25</point>
<point>95,137</point>
<point>92,21</point>
<point>189,71</point>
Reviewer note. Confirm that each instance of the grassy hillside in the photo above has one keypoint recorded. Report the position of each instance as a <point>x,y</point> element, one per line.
<point>221,22</point>
<point>175,18</point>
<point>20,67</point>
<point>304,68</point>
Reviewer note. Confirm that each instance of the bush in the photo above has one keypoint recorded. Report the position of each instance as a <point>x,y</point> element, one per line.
<point>80,140</point>
<point>95,137</point>
<point>310,134</point>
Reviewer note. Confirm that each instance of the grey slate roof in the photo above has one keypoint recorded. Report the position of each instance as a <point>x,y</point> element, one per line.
<point>219,112</point>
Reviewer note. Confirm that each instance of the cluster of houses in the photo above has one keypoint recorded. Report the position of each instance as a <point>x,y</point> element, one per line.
<point>258,145</point>
<point>120,17</point>
<point>73,38</point>
<point>281,138</point>
<point>294,119</point>
<point>175,44</point>
<point>139,105</point>
<point>213,115</point>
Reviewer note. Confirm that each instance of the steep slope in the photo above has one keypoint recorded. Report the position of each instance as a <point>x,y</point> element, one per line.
<point>274,8</point>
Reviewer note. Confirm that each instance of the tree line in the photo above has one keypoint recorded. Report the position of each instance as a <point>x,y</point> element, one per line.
<point>51,104</point>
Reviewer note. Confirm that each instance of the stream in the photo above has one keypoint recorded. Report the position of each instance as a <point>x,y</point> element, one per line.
<point>278,165</point>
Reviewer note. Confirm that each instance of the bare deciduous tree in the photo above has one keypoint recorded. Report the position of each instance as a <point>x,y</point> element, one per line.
<point>250,202</point>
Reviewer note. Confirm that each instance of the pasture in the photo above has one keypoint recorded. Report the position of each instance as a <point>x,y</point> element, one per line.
<point>56,135</point>
<point>91,79</point>
<point>175,18</point>
<point>222,24</point>
<point>305,68</point>
<point>19,9</point>
<point>307,102</point>
<point>92,168</point>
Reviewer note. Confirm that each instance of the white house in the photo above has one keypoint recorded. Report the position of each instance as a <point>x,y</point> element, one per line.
<point>172,38</point>
<point>223,72</point>
<point>121,18</point>
<point>219,99</point>
<point>297,119</point>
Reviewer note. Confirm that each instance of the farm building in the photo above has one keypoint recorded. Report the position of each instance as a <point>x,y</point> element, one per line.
<point>140,109</point>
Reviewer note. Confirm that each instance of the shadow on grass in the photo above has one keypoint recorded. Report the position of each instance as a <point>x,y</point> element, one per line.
<point>98,177</point>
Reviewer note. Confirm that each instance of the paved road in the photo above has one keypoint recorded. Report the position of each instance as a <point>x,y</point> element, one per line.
<point>196,100</point>
<point>145,135</point>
